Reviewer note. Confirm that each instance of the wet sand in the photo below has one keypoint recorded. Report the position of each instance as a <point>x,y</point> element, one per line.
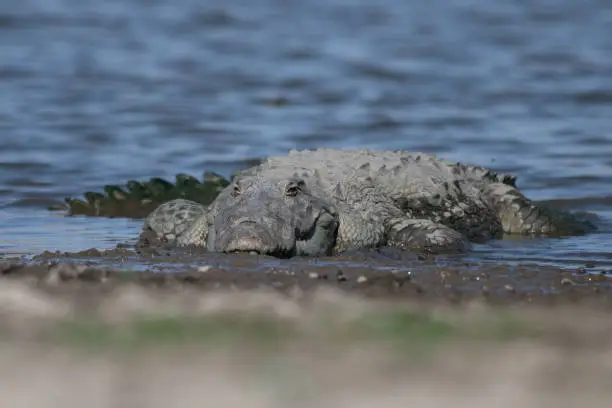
<point>384,273</point>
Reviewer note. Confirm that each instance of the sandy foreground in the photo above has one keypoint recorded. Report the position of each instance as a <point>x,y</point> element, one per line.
<point>133,345</point>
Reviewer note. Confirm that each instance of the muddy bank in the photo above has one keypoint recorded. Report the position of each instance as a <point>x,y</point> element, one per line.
<point>382,274</point>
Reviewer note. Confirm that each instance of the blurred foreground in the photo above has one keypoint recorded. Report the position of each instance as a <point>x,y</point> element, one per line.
<point>74,337</point>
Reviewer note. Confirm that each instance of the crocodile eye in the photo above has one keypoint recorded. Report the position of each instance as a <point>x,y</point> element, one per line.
<point>236,190</point>
<point>293,188</point>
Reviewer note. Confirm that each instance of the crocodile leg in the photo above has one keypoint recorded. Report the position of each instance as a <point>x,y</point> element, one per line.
<point>179,221</point>
<point>519,215</point>
<point>425,235</point>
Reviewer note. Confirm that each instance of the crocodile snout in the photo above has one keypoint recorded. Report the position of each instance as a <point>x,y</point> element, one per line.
<point>249,245</point>
<point>246,235</point>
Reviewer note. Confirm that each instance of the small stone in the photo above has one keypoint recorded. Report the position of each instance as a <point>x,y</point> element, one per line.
<point>567,281</point>
<point>313,275</point>
<point>509,288</point>
<point>362,279</point>
<point>204,269</point>
<point>340,276</point>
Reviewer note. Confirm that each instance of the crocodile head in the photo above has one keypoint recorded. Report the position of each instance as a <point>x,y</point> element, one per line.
<point>276,216</point>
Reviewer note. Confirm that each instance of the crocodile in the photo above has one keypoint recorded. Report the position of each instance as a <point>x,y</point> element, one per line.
<point>328,201</point>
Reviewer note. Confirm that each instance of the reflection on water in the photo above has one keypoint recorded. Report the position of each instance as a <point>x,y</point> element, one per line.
<point>28,232</point>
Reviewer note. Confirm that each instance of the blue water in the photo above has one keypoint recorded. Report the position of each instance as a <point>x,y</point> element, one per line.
<point>102,92</point>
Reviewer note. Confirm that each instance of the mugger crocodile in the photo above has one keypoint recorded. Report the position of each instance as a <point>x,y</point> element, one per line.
<point>327,201</point>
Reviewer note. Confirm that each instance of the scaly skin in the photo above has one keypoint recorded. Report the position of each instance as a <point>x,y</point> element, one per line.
<point>138,199</point>
<point>328,201</point>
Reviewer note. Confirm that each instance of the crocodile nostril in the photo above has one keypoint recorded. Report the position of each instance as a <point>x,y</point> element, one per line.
<point>243,220</point>
<point>240,251</point>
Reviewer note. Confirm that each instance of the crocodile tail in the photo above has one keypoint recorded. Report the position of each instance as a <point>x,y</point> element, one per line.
<point>137,199</point>
<point>519,215</point>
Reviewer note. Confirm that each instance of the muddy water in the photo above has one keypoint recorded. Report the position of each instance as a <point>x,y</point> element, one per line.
<point>102,93</point>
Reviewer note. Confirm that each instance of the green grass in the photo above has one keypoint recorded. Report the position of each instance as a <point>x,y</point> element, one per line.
<point>211,331</point>
<point>405,330</point>
<point>401,328</point>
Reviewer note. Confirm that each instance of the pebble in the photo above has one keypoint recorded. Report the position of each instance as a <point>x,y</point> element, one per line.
<point>362,279</point>
<point>566,281</point>
<point>204,268</point>
<point>313,275</point>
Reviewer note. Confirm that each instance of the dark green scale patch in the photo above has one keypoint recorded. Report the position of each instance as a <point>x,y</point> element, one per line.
<point>456,210</point>
<point>137,199</point>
